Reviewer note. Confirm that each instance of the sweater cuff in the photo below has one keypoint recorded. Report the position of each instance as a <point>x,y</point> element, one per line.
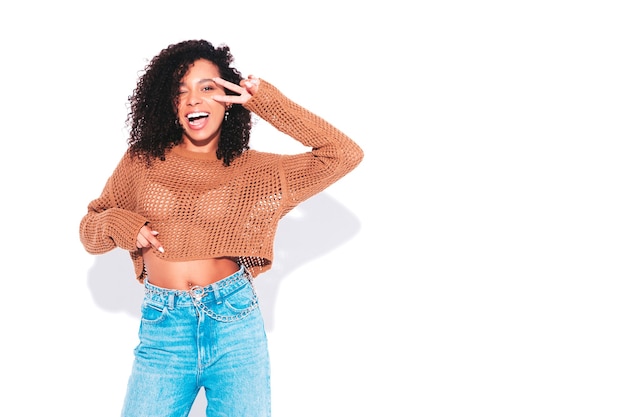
<point>266,93</point>
<point>123,227</point>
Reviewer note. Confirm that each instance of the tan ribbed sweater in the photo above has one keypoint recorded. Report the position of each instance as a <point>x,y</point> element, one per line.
<point>203,209</point>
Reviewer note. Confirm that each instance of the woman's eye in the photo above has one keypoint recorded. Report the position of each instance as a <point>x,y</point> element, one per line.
<point>208,88</point>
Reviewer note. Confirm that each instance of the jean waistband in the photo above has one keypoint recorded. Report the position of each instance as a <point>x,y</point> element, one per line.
<point>211,292</point>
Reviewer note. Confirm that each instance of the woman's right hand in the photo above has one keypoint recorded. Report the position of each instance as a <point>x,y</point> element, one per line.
<point>147,238</point>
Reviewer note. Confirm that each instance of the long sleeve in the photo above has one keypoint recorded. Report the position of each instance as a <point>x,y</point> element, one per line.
<point>332,156</point>
<point>111,219</point>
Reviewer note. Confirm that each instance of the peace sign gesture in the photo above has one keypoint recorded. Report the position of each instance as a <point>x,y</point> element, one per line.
<point>247,88</point>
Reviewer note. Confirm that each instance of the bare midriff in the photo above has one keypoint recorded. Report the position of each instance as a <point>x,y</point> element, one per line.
<point>186,274</point>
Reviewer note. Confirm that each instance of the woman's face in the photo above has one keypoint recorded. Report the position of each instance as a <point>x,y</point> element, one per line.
<point>200,116</point>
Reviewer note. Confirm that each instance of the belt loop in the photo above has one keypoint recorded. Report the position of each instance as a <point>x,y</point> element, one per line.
<point>170,300</point>
<point>216,292</point>
<point>248,276</point>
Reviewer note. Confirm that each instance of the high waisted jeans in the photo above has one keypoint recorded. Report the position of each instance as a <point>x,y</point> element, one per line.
<point>211,337</point>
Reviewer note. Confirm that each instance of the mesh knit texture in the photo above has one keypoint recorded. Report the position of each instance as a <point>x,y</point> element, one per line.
<point>203,209</point>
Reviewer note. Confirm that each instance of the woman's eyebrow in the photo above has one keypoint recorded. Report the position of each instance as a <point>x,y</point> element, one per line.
<point>201,81</point>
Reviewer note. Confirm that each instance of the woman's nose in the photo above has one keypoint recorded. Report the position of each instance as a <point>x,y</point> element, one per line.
<point>193,99</point>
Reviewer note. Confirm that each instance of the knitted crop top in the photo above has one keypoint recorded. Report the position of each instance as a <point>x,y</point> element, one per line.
<point>203,209</point>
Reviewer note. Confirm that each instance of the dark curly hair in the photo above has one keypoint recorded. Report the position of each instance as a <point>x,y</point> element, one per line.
<point>152,117</point>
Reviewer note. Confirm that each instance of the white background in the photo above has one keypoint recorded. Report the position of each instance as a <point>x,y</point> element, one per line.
<point>473,264</point>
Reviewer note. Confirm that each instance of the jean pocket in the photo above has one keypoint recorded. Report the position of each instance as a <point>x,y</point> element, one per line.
<point>233,307</point>
<point>240,301</point>
<point>152,313</point>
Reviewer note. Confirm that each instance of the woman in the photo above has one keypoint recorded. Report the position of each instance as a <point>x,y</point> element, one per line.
<point>198,211</point>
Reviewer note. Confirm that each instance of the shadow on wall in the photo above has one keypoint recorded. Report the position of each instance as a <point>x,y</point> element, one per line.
<point>312,229</point>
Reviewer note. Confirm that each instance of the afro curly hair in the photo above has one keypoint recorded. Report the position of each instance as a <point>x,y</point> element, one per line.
<point>152,117</point>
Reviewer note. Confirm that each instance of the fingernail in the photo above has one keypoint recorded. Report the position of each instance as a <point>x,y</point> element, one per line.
<point>161,249</point>
<point>248,84</point>
<point>154,232</point>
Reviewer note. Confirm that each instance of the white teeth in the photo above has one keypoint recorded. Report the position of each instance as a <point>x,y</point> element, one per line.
<point>196,115</point>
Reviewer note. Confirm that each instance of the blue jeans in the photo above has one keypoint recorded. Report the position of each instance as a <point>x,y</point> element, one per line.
<point>211,337</point>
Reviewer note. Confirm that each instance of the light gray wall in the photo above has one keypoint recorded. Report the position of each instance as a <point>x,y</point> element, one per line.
<point>472,265</point>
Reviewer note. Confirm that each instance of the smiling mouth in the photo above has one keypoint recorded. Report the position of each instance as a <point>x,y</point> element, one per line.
<point>195,117</point>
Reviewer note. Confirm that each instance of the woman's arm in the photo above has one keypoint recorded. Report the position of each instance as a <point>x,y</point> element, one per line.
<point>110,220</point>
<point>333,154</point>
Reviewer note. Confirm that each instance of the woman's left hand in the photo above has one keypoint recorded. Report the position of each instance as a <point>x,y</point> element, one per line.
<point>247,88</point>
